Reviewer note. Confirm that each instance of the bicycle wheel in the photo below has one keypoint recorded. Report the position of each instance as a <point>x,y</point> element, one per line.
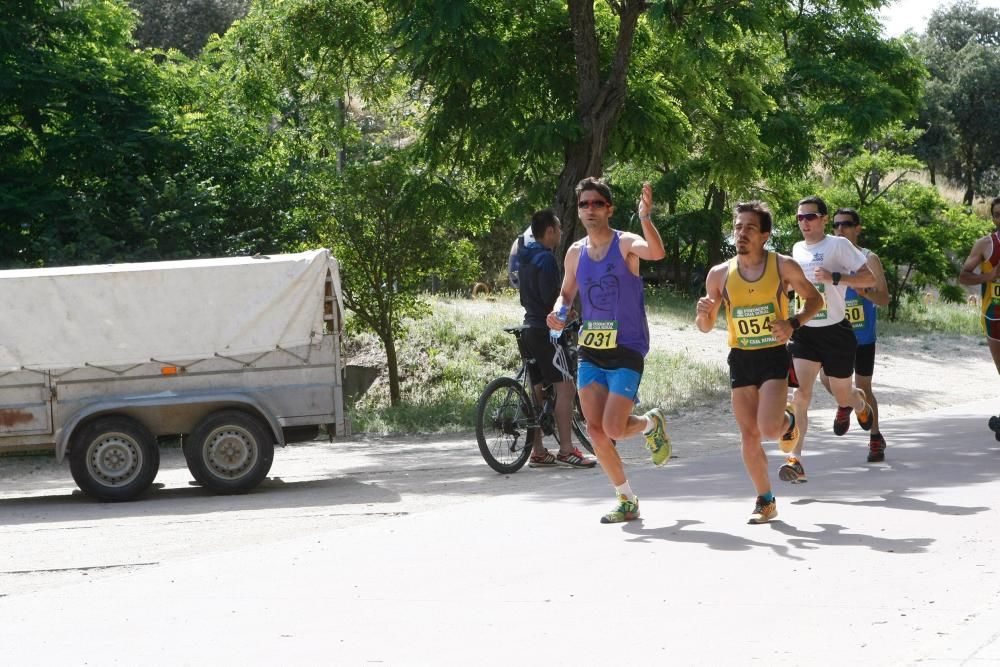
<point>579,425</point>
<point>504,425</point>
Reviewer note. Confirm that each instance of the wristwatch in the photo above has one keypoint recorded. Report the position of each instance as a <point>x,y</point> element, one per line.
<point>794,321</point>
<point>836,278</point>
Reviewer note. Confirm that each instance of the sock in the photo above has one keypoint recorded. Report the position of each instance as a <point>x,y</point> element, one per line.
<point>767,497</point>
<point>625,490</point>
<point>650,425</point>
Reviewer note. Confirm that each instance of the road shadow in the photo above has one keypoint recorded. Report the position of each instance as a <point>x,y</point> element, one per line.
<point>680,532</point>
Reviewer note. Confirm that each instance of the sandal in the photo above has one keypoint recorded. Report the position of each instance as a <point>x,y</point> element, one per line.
<point>546,460</point>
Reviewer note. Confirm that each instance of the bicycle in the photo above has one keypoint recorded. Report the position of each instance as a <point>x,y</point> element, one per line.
<point>508,414</point>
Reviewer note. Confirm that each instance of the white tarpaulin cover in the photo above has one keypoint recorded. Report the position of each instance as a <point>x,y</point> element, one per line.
<point>121,314</point>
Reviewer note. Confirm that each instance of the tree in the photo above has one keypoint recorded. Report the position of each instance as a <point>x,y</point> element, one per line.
<point>92,160</point>
<point>393,225</point>
<point>960,49</point>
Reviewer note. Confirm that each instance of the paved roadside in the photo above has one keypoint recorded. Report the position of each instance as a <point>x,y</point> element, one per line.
<point>883,564</point>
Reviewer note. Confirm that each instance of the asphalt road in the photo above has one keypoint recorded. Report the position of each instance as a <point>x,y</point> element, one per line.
<point>413,552</point>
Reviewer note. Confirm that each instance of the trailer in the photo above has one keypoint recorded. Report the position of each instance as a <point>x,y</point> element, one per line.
<point>99,364</point>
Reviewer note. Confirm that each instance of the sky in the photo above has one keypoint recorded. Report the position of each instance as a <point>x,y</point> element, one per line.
<point>903,15</point>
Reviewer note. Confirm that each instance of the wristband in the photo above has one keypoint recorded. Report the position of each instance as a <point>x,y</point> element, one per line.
<point>836,278</point>
<point>794,321</point>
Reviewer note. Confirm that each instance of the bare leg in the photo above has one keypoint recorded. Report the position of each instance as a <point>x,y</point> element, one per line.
<point>806,372</point>
<point>745,406</point>
<point>864,383</point>
<point>565,393</point>
<point>593,399</point>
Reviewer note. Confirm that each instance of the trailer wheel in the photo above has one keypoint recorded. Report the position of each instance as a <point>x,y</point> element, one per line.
<point>114,458</point>
<point>229,451</point>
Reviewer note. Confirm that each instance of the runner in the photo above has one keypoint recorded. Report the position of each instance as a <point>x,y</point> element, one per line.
<point>827,341</point>
<point>983,268</point>
<point>614,340</point>
<point>753,285</point>
<point>539,286</point>
<point>861,313</point>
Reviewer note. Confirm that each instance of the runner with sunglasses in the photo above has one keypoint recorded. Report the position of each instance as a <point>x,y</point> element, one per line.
<point>614,339</point>
<point>861,313</point>
<point>826,341</point>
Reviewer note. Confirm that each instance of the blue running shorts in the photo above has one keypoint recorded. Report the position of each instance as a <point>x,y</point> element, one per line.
<point>621,381</point>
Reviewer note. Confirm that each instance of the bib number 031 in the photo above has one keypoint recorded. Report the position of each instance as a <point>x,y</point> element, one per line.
<point>599,334</point>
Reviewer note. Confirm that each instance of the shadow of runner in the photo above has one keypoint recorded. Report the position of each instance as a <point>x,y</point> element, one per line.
<point>896,500</point>
<point>833,535</point>
<point>713,540</point>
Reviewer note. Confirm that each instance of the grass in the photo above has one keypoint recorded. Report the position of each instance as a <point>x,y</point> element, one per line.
<point>448,358</point>
<point>916,317</point>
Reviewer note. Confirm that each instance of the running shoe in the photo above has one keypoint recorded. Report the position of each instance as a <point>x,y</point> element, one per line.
<point>876,448</point>
<point>866,418</point>
<point>792,471</point>
<point>842,421</point>
<point>657,441</point>
<point>575,459</point>
<point>545,460</point>
<point>627,510</point>
<point>789,438</point>
<point>763,511</point>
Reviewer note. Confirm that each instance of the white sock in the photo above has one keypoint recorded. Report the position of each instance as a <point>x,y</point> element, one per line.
<point>625,490</point>
<point>650,425</point>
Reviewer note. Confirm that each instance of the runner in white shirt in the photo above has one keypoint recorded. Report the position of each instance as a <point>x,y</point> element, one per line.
<point>826,341</point>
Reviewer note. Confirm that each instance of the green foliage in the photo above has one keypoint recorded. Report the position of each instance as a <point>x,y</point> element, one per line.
<point>960,49</point>
<point>92,167</point>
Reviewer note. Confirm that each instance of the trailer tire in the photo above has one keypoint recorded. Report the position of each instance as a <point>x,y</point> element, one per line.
<point>114,458</point>
<point>229,452</point>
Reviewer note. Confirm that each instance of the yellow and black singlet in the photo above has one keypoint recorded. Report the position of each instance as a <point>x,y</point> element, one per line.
<point>752,306</point>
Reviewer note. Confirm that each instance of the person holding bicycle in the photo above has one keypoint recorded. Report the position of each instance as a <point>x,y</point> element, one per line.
<point>538,283</point>
<point>614,338</point>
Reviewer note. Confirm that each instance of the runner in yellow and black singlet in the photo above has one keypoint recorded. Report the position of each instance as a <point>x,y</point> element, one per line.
<point>753,286</point>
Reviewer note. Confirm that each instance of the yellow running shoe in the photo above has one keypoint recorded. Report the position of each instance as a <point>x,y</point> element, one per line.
<point>763,511</point>
<point>627,510</point>
<point>657,441</point>
<point>789,438</point>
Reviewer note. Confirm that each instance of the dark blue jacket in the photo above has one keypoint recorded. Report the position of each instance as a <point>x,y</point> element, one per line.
<point>539,283</point>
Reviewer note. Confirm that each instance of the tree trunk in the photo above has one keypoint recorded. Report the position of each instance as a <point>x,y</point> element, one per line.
<point>392,363</point>
<point>717,207</point>
<point>932,172</point>
<point>601,98</point>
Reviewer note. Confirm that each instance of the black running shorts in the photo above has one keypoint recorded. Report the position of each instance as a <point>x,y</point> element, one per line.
<point>864,360</point>
<point>535,344</point>
<point>752,368</point>
<point>832,346</point>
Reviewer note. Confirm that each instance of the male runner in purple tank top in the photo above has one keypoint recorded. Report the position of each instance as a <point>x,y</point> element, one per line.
<point>604,268</point>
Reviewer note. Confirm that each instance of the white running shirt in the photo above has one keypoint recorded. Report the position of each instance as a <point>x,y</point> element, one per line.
<point>837,255</point>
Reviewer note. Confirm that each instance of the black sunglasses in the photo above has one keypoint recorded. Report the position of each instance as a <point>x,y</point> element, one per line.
<point>844,223</point>
<point>595,203</point>
<point>806,216</point>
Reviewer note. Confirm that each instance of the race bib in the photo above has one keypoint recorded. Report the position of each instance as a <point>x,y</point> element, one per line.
<point>753,326</point>
<point>800,302</point>
<point>855,312</point>
<point>599,334</point>
<point>993,292</point>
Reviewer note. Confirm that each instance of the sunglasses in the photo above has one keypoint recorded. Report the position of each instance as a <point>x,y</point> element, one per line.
<point>806,216</point>
<point>592,203</point>
<point>844,223</point>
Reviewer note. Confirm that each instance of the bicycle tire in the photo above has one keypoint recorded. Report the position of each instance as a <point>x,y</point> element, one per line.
<point>503,416</point>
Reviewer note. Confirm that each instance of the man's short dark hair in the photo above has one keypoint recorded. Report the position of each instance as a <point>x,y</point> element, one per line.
<point>758,207</point>
<point>818,201</point>
<point>541,221</point>
<point>591,183</point>
<point>848,211</point>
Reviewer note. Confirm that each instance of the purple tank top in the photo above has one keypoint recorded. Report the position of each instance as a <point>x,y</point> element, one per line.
<point>610,291</point>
